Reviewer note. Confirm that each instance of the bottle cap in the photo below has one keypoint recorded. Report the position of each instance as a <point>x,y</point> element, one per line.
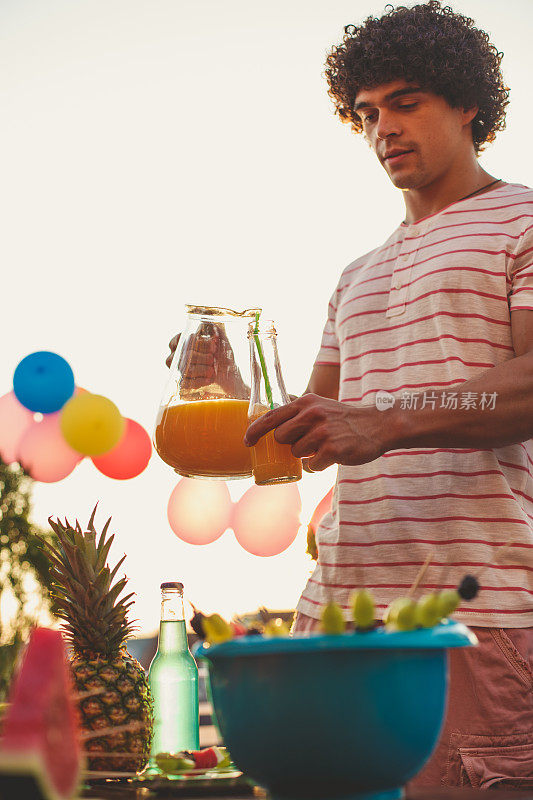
<point>172,585</point>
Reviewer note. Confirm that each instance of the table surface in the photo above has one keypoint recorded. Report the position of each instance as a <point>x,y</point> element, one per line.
<point>121,791</point>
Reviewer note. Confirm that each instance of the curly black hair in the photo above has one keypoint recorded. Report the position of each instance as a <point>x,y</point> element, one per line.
<point>427,44</point>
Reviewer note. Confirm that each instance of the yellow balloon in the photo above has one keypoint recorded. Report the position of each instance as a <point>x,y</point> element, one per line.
<point>91,424</point>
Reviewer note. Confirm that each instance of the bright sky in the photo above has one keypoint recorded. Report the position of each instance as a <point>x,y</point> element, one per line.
<point>156,153</point>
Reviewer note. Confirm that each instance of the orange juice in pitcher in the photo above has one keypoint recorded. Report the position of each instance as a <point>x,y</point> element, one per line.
<point>204,438</point>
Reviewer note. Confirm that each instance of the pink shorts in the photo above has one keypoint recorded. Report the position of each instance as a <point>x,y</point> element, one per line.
<point>487,738</point>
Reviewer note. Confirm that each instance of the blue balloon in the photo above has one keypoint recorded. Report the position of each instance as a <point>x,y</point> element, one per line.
<point>43,382</point>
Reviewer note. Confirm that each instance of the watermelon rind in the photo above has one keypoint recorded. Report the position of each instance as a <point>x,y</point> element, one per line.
<point>20,771</point>
<point>40,748</point>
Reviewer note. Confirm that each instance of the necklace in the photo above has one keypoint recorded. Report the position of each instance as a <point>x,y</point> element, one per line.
<point>487,186</point>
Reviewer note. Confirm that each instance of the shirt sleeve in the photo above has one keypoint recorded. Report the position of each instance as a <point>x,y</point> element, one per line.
<point>521,277</point>
<point>329,353</point>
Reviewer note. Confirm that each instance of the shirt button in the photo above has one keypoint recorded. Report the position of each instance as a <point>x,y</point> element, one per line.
<point>414,231</point>
<point>397,282</point>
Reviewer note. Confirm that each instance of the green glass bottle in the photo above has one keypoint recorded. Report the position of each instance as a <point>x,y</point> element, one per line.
<point>173,678</point>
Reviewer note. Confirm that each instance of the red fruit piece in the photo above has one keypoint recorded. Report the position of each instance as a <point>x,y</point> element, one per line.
<point>41,736</point>
<point>206,759</point>
<point>238,629</point>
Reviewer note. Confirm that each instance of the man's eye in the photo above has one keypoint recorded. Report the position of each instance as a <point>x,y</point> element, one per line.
<point>409,105</point>
<point>368,117</point>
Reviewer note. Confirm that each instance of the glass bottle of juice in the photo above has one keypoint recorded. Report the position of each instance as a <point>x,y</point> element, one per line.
<point>272,462</point>
<point>173,678</point>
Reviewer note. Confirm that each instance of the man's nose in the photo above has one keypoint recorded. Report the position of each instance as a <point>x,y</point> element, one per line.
<point>388,125</point>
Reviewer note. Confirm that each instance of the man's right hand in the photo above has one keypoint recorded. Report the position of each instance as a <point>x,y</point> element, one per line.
<point>207,358</point>
<point>172,345</point>
<point>197,358</point>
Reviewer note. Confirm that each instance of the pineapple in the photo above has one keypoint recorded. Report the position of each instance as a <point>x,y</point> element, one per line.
<point>112,686</point>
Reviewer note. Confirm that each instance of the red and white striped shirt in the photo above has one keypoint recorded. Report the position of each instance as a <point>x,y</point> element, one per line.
<point>419,315</point>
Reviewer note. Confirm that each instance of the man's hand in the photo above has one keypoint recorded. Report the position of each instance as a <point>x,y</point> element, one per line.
<point>325,431</point>
<point>172,345</point>
<point>207,359</point>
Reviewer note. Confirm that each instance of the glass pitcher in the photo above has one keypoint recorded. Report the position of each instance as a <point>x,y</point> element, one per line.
<point>203,414</point>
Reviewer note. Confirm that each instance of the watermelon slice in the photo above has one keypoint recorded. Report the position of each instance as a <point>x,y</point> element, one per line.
<point>40,752</point>
<point>209,758</point>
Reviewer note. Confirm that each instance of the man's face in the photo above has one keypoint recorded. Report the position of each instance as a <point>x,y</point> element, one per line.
<point>415,134</point>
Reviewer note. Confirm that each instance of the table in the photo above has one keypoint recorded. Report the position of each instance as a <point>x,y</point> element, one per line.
<point>122,792</point>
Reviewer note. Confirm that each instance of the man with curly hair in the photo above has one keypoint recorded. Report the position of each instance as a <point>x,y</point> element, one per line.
<point>422,389</point>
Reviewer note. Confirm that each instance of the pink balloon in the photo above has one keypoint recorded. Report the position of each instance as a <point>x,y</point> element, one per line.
<point>14,420</point>
<point>321,510</point>
<point>43,452</point>
<point>199,511</point>
<point>266,519</point>
<point>129,457</point>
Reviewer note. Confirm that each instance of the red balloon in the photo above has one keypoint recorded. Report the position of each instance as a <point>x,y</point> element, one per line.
<point>267,518</point>
<point>43,452</point>
<point>199,511</point>
<point>322,508</point>
<point>129,457</point>
<point>14,420</point>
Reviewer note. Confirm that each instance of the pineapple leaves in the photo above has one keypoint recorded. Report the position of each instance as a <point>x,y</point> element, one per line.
<point>90,549</point>
<point>83,597</point>
<point>104,533</point>
<point>103,551</point>
<point>91,521</point>
<point>116,568</point>
<point>115,591</point>
<point>102,582</point>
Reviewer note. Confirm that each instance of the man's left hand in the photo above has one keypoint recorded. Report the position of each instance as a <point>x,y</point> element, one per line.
<point>324,431</point>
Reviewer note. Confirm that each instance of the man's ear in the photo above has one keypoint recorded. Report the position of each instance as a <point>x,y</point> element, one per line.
<point>469,114</point>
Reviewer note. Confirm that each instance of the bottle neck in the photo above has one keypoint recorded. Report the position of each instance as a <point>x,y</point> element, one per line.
<point>268,387</point>
<point>172,631</point>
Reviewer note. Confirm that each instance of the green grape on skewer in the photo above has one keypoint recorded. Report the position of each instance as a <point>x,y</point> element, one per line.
<point>401,614</point>
<point>427,612</point>
<point>363,609</point>
<point>449,600</point>
<point>332,619</point>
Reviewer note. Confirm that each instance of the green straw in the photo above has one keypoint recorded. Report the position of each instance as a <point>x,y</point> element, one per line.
<point>262,360</point>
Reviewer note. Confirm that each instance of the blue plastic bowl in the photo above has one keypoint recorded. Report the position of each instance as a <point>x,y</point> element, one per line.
<point>351,716</point>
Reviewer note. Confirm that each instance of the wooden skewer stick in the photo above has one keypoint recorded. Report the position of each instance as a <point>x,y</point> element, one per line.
<point>103,732</point>
<point>100,774</point>
<point>84,695</point>
<point>105,754</point>
<point>421,573</point>
<point>499,553</point>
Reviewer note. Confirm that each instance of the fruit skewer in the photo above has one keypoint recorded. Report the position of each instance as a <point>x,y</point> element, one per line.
<point>450,599</point>
<point>421,572</point>
<point>403,611</point>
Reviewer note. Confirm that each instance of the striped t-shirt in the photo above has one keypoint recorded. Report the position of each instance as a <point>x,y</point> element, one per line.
<point>419,315</point>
